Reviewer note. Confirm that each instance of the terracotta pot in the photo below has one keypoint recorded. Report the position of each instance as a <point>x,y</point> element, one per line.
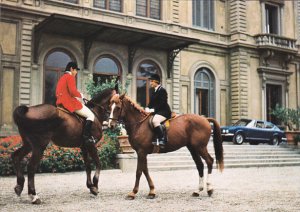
<point>290,136</point>
<point>124,144</point>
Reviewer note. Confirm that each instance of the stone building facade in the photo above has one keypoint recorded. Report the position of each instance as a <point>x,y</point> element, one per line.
<point>227,59</point>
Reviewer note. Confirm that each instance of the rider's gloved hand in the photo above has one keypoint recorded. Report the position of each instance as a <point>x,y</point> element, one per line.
<point>81,94</point>
<point>147,109</point>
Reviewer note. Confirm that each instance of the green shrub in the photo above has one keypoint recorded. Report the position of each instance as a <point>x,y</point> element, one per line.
<point>58,159</point>
<point>290,117</point>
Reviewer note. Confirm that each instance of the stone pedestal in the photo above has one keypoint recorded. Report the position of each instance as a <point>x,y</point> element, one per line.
<point>127,162</point>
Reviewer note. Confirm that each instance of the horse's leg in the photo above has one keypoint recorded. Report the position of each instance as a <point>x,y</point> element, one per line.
<point>17,157</point>
<point>141,164</point>
<point>151,194</point>
<point>209,162</point>
<point>37,153</point>
<point>200,167</point>
<point>88,168</point>
<point>92,150</point>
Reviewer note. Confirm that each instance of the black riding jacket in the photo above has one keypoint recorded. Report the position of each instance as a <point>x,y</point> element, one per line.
<point>159,102</point>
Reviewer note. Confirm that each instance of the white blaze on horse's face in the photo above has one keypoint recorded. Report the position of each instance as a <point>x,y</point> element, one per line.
<point>111,115</point>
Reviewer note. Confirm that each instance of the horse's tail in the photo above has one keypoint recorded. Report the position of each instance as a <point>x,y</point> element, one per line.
<point>217,139</point>
<point>19,115</point>
<point>34,125</point>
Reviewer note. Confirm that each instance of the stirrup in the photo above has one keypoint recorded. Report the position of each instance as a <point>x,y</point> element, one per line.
<point>162,143</point>
<point>89,140</point>
<point>156,142</point>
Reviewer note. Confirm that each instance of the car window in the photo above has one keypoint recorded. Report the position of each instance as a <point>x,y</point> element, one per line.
<point>242,122</point>
<point>269,125</point>
<point>260,124</point>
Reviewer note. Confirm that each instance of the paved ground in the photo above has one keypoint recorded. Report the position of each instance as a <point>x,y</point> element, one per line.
<point>245,189</point>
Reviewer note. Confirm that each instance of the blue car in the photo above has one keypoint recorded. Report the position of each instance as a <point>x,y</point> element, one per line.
<point>254,132</point>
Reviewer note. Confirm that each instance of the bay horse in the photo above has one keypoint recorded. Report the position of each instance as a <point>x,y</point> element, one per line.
<point>190,130</point>
<point>40,124</point>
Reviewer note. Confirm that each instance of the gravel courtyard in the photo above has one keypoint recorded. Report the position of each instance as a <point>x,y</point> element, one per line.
<point>240,189</point>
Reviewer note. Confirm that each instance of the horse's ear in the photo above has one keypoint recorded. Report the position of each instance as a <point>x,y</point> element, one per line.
<point>117,85</point>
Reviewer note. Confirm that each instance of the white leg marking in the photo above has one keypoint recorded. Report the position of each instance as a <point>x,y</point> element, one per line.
<point>34,197</point>
<point>209,185</point>
<point>201,183</point>
<point>111,114</point>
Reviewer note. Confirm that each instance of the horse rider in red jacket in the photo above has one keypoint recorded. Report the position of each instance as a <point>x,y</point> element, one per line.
<point>68,96</point>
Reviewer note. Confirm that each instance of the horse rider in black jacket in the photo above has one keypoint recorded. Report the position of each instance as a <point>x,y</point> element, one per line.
<point>159,103</point>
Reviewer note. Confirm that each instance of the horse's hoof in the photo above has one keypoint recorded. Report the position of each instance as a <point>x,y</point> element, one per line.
<point>94,191</point>
<point>195,194</point>
<point>151,196</point>
<point>129,197</point>
<point>210,192</point>
<point>35,199</point>
<point>18,190</point>
<point>36,202</point>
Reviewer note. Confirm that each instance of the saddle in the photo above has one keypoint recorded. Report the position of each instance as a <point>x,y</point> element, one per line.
<point>78,117</point>
<point>165,123</point>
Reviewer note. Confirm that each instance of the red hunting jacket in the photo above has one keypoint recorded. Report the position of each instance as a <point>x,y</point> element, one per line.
<point>66,92</point>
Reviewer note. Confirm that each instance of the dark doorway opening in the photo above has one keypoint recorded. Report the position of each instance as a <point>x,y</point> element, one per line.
<point>274,97</point>
<point>202,102</point>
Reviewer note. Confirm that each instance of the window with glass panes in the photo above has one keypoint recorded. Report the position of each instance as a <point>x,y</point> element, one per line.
<point>204,85</point>
<point>106,68</point>
<point>113,5</point>
<point>55,64</point>
<point>203,14</point>
<point>272,17</point>
<point>149,8</point>
<point>144,91</point>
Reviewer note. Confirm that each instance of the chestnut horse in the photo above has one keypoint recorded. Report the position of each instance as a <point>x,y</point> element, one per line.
<point>40,124</point>
<point>190,130</point>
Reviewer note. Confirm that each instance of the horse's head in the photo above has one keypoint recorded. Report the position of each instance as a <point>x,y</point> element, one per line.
<point>117,112</point>
<point>101,102</point>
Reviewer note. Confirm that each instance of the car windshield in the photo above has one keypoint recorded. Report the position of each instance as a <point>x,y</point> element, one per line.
<point>242,122</point>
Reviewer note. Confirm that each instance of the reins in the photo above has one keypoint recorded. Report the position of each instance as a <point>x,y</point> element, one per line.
<point>96,104</point>
<point>129,123</point>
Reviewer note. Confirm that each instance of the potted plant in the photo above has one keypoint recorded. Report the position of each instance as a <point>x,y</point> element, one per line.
<point>291,119</point>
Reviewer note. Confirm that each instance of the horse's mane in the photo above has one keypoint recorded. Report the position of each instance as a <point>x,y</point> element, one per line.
<point>99,96</point>
<point>136,106</point>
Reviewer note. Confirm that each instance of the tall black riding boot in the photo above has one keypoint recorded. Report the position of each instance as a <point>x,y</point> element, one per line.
<point>159,131</point>
<point>87,135</point>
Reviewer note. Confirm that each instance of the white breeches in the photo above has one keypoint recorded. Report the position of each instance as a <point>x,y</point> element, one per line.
<point>157,119</point>
<point>86,112</point>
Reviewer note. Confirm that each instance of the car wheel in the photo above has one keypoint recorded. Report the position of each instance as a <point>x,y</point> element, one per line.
<point>238,139</point>
<point>275,141</point>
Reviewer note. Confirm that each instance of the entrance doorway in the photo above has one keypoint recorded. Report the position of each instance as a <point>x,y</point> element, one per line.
<point>202,102</point>
<point>274,97</point>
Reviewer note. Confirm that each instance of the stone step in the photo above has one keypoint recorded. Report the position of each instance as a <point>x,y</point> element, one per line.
<point>240,165</point>
<point>262,155</point>
<point>232,161</point>
<point>227,157</point>
<point>235,156</point>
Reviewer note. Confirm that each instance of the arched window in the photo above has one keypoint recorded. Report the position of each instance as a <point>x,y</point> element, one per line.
<point>55,63</point>
<point>106,67</point>
<point>204,84</point>
<point>145,70</point>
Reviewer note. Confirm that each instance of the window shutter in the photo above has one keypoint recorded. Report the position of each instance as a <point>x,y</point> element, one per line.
<point>115,5</point>
<point>100,4</point>
<point>72,1</point>
<point>155,9</point>
<point>141,7</point>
